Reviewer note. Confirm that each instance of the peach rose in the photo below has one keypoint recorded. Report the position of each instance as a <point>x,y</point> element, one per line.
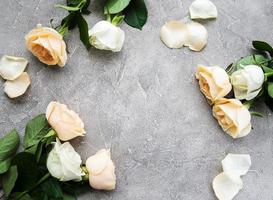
<point>213,81</point>
<point>65,122</point>
<point>101,171</point>
<point>233,117</point>
<point>47,45</point>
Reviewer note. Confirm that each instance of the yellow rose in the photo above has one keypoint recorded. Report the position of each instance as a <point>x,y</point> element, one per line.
<point>65,122</point>
<point>233,117</point>
<point>213,81</point>
<point>47,45</point>
<point>101,170</point>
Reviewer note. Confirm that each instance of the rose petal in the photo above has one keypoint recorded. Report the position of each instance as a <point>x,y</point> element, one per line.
<point>12,67</point>
<point>226,186</point>
<point>174,34</point>
<point>202,9</point>
<point>236,164</point>
<point>197,36</point>
<point>18,86</point>
<point>96,163</point>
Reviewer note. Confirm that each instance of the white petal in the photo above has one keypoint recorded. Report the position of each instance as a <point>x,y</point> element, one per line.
<point>226,186</point>
<point>202,9</point>
<point>236,164</point>
<point>12,67</point>
<point>174,34</point>
<point>197,36</point>
<point>106,36</point>
<point>18,86</point>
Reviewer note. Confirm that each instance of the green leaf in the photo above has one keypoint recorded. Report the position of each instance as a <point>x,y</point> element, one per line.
<point>267,69</point>
<point>252,60</point>
<point>9,180</point>
<point>4,165</point>
<point>27,171</point>
<point>136,14</point>
<point>68,8</point>
<point>52,188</point>
<point>262,46</point>
<point>83,28</point>
<point>270,89</point>
<point>257,114</point>
<point>9,144</point>
<point>36,129</point>
<point>116,6</point>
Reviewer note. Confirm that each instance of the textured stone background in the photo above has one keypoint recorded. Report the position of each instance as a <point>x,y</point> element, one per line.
<point>144,102</point>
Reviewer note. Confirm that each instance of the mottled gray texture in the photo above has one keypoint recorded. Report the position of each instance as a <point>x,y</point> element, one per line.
<point>144,102</point>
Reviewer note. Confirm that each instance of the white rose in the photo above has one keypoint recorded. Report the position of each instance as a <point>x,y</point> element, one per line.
<point>64,163</point>
<point>213,81</point>
<point>65,122</point>
<point>106,36</point>
<point>247,82</point>
<point>101,171</point>
<point>233,117</point>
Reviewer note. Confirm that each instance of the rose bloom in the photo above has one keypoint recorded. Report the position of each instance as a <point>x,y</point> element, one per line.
<point>106,36</point>
<point>101,171</point>
<point>47,45</point>
<point>233,117</point>
<point>247,82</point>
<point>64,163</point>
<point>213,81</point>
<point>65,122</point>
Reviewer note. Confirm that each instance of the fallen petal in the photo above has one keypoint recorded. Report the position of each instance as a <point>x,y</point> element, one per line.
<point>197,36</point>
<point>12,67</point>
<point>202,9</point>
<point>226,186</point>
<point>237,164</point>
<point>174,34</point>
<point>18,86</point>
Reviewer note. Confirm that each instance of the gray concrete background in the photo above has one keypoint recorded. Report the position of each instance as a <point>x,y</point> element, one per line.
<point>144,102</point>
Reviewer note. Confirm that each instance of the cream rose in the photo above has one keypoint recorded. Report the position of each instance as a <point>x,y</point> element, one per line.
<point>247,82</point>
<point>65,122</point>
<point>101,170</point>
<point>233,117</point>
<point>106,36</point>
<point>47,45</point>
<point>213,81</point>
<point>64,163</point>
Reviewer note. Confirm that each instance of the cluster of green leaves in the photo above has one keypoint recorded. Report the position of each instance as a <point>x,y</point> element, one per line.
<point>263,57</point>
<point>76,9</point>
<point>24,171</point>
<point>134,12</point>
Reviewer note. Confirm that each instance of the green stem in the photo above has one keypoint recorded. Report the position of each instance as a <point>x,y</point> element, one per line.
<point>85,177</point>
<point>45,177</point>
<point>268,74</point>
<point>248,104</point>
<point>63,29</point>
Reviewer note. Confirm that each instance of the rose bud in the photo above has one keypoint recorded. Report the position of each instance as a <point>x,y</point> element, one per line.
<point>101,171</point>
<point>65,122</point>
<point>247,82</point>
<point>64,163</point>
<point>106,36</point>
<point>213,81</point>
<point>233,117</point>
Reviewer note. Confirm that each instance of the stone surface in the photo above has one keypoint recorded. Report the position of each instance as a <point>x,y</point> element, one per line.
<point>144,102</point>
